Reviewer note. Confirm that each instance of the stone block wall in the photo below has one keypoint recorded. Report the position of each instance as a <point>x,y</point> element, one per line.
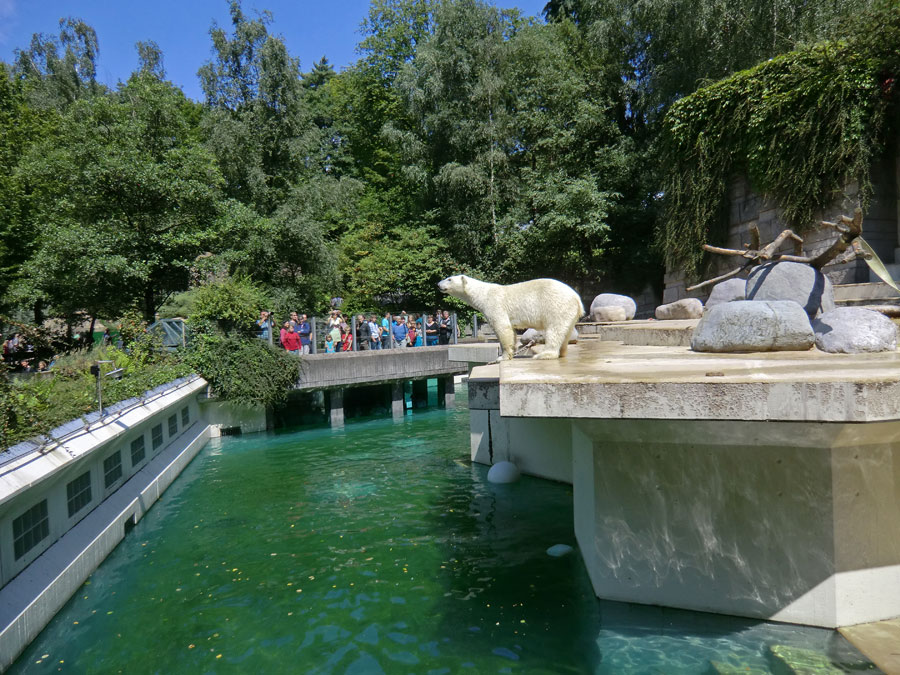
<point>747,207</point>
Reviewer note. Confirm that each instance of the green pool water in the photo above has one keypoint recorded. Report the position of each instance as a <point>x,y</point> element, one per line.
<point>379,548</point>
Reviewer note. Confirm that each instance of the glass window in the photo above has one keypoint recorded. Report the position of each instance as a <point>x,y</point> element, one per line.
<point>112,469</point>
<point>78,493</point>
<point>137,450</point>
<point>156,436</point>
<point>173,426</point>
<point>30,529</point>
<point>185,417</point>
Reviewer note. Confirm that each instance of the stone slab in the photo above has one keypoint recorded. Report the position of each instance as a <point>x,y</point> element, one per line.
<point>481,352</point>
<point>880,641</point>
<point>650,332</point>
<point>607,380</point>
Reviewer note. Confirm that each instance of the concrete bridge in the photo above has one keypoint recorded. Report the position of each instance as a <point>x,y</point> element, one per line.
<point>334,373</point>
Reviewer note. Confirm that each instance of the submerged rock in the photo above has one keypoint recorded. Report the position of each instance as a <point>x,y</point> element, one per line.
<point>854,330</point>
<point>727,291</point>
<point>686,308</point>
<point>559,550</point>
<point>613,300</point>
<point>803,284</point>
<point>752,326</point>
<point>503,472</point>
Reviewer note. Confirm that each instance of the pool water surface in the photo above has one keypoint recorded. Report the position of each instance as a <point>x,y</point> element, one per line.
<point>379,548</point>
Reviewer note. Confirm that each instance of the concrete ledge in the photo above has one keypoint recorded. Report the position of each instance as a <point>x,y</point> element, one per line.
<point>32,599</point>
<point>613,381</point>
<point>676,333</point>
<point>483,352</point>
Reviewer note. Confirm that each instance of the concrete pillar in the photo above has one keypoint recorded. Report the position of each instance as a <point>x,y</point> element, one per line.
<point>398,401</point>
<point>447,392</point>
<point>336,407</point>
<point>420,393</point>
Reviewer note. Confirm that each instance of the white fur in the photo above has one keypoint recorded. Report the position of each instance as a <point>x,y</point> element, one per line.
<point>545,304</point>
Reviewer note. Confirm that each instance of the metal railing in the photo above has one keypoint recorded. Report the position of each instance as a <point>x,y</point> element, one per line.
<point>360,335</point>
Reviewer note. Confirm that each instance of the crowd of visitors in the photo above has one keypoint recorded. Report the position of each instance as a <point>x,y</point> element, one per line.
<point>389,332</point>
<point>20,357</point>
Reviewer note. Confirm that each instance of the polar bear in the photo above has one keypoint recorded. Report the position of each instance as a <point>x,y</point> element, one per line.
<point>545,304</point>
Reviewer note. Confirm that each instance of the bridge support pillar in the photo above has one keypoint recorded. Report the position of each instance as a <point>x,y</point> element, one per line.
<point>398,401</point>
<point>447,392</point>
<point>336,407</point>
<point>420,393</point>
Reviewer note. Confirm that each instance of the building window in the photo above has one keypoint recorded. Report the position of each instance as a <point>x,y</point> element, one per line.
<point>30,529</point>
<point>112,469</point>
<point>156,436</point>
<point>185,417</point>
<point>137,450</point>
<point>173,426</point>
<point>78,493</point>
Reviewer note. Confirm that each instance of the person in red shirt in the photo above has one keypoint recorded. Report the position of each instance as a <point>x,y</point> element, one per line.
<point>346,338</point>
<point>290,340</point>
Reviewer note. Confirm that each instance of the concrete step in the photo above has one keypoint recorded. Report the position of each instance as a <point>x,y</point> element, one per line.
<point>879,641</point>
<point>871,291</point>
<point>798,661</point>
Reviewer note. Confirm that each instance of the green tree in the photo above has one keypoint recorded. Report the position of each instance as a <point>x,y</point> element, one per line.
<point>21,125</point>
<point>60,69</point>
<point>255,124</point>
<point>128,198</point>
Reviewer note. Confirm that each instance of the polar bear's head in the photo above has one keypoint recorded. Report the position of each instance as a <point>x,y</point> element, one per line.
<point>455,285</point>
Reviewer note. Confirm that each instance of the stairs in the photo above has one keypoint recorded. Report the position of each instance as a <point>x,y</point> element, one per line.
<point>872,293</point>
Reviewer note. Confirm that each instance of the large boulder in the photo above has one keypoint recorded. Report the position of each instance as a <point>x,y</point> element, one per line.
<point>686,308</point>
<point>753,326</point>
<point>727,291</point>
<point>801,283</point>
<point>613,300</point>
<point>852,330</point>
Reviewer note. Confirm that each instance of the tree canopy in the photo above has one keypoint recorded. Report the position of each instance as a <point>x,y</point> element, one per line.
<point>466,137</point>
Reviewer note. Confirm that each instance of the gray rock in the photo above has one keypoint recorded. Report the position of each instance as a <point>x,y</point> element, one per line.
<point>853,330</point>
<point>614,300</point>
<point>727,291</point>
<point>609,313</point>
<point>753,326</point>
<point>806,286</point>
<point>686,308</point>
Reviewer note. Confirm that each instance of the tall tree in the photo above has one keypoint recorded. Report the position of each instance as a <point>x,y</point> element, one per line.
<point>60,69</point>
<point>127,196</point>
<point>256,123</point>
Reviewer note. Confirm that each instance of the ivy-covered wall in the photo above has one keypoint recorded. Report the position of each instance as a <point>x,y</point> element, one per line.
<point>803,128</point>
<point>746,207</point>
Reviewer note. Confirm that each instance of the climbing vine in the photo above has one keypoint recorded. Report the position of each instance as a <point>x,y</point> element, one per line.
<point>799,126</point>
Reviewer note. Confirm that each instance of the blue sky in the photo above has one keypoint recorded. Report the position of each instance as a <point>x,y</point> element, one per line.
<point>311,29</point>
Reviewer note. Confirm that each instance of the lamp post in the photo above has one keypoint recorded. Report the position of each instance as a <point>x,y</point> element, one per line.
<point>95,371</point>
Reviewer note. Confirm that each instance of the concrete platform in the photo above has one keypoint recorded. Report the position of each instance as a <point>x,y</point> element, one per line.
<point>612,381</point>
<point>764,485</point>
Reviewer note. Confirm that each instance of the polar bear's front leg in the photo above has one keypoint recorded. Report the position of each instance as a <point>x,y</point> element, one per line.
<point>507,337</point>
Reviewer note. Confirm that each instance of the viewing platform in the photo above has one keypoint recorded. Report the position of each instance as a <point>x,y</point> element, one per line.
<point>758,484</point>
